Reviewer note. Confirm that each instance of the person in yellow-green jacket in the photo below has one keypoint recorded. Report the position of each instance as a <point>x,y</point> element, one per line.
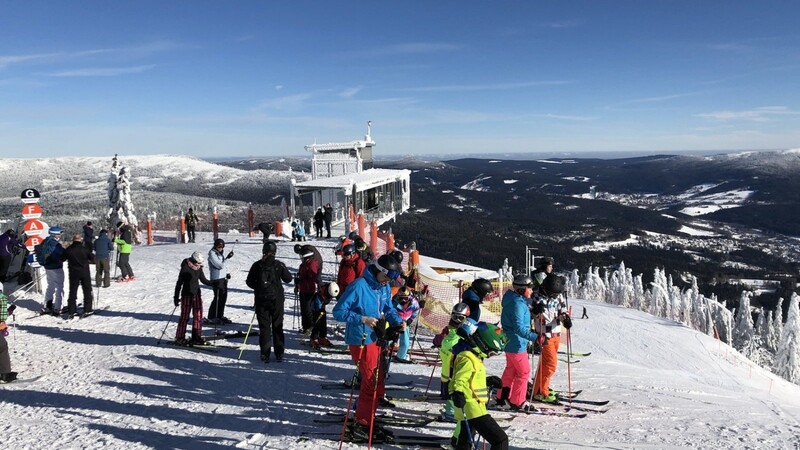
<point>124,243</point>
<point>445,341</point>
<point>468,384</point>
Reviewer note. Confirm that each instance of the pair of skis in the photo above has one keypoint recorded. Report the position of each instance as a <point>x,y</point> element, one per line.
<point>406,385</point>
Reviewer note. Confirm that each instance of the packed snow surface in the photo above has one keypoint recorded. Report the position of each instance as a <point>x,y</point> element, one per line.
<point>107,384</point>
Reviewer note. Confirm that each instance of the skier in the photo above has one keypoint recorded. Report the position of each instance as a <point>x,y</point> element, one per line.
<point>48,254</point>
<point>584,315</point>
<point>473,296</point>
<point>266,228</point>
<point>365,253</point>
<point>361,306</point>
<point>191,222</point>
<point>9,246</point>
<point>343,242</point>
<point>78,258</point>
<point>305,287</point>
<point>445,342</point>
<point>328,218</point>
<point>408,309</point>
<point>219,276</point>
<point>102,257</point>
<point>124,247</point>
<point>302,249</point>
<point>350,268</point>
<point>266,278</point>
<point>319,218</point>
<point>468,386</point>
<point>549,319</point>
<point>6,375</point>
<point>544,269</point>
<point>516,321</point>
<point>187,294</point>
<point>319,329</point>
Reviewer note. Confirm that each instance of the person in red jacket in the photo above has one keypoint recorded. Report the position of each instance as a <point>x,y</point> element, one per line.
<point>351,267</point>
<point>306,288</point>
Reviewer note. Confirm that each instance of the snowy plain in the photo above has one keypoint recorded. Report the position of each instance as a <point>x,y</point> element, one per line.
<point>106,384</point>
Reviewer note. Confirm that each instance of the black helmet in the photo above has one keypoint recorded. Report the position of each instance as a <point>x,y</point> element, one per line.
<point>522,281</point>
<point>459,313</point>
<point>297,248</point>
<point>218,242</point>
<point>348,250</point>
<point>388,266</point>
<point>353,235</point>
<point>397,255</point>
<point>482,286</point>
<point>553,285</point>
<point>270,248</point>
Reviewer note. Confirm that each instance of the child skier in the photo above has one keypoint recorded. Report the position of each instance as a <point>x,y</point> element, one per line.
<point>468,387</point>
<point>319,330</point>
<point>549,321</point>
<point>446,340</point>
<point>408,309</point>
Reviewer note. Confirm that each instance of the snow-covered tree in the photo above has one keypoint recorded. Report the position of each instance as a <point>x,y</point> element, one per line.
<point>120,205</point>
<point>743,332</point>
<point>777,326</point>
<point>787,361</point>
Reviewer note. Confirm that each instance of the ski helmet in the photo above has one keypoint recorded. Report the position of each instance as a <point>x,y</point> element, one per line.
<point>55,231</point>
<point>353,235</point>
<point>298,248</point>
<point>197,257</point>
<point>219,243</point>
<point>397,255</point>
<point>546,261</point>
<point>333,290</point>
<point>490,338</point>
<point>459,313</point>
<point>349,250</point>
<point>553,285</point>
<point>270,248</point>
<point>388,266</point>
<point>522,282</point>
<point>482,286</point>
<point>466,330</point>
<point>403,295</point>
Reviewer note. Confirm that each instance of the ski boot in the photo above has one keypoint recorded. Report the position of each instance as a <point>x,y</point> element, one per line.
<point>315,344</point>
<point>550,398</point>
<point>325,342</point>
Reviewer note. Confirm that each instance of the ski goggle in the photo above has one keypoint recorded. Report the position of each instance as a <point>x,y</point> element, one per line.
<point>392,274</point>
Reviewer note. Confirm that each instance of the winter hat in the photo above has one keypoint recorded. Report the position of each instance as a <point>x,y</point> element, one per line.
<point>103,231</point>
<point>197,257</point>
<point>55,231</point>
<point>269,248</point>
<point>77,238</point>
<point>218,242</point>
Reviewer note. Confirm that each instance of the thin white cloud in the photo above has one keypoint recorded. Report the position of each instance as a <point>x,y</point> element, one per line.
<point>288,102</point>
<point>566,24</point>
<point>102,71</point>
<point>761,114</point>
<point>350,92</point>
<point>656,99</point>
<point>485,87</point>
<point>279,87</point>
<point>410,48</point>
<point>135,51</point>
<point>566,117</point>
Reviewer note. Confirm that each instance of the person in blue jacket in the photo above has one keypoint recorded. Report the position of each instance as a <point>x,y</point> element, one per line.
<point>366,307</point>
<point>474,296</point>
<point>102,259</point>
<point>516,322</point>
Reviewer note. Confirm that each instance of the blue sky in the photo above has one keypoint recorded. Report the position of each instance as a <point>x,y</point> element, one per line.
<point>216,79</point>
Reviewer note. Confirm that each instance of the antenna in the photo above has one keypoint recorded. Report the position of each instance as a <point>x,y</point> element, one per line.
<point>369,130</point>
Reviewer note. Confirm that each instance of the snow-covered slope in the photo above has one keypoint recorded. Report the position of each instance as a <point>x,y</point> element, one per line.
<point>106,384</point>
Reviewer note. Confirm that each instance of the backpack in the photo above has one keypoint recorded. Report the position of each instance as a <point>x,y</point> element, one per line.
<point>127,235</point>
<point>43,250</point>
<point>270,284</point>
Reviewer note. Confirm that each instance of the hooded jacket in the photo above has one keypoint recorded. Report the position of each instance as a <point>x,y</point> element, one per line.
<point>364,297</point>
<point>216,265</point>
<point>469,377</point>
<point>103,246</point>
<point>516,322</point>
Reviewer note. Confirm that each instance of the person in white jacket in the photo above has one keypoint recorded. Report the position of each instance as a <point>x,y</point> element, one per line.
<point>219,282</point>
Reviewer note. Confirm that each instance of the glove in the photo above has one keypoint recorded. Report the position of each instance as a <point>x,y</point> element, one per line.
<point>230,255</point>
<point>228,276</point>
<point>11,309</point>
<point>459,399</point>
<point>566,321</point>
<point>541,340</point>
<point>176,300</point>
<point>537,308</point>
<point>380,328</point>
<point>421,304</point>
<point>393,332</point>
<point>409,322</point>
<point>494,382</point>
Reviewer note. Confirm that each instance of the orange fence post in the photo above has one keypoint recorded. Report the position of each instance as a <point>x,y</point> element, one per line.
<point>362,225</point>
<point>373,237</point>
<point>215,224</point>
<point>251,222</point>
<point>352,218</point>
<point>182,229</point>
<point>390,242</point>
<point>149,231</point>
<point>413,259</point>
<point>278,229</point>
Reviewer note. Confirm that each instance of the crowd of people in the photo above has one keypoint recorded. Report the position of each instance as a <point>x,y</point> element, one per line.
<point>375,299</point>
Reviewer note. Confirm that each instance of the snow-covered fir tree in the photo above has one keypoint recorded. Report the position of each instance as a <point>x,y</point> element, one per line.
<point>787,361</point>
<point>777,326</point>
<point>743,334</point>
<point>120,205</point>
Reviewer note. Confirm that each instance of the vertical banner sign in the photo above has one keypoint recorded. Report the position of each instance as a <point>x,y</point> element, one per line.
<point>34,228</point>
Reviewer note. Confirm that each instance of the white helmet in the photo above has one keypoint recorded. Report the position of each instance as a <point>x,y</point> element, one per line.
<point>197,257</point>
<point>333,290</point>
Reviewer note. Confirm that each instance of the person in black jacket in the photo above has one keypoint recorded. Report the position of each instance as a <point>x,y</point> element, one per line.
<point>319,218</point>
<point>266,278</point>
<point>187,294</point>
<point>78,258</point>
<point>328,218</point>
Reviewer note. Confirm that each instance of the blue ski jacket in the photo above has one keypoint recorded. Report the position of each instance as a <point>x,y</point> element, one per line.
<point>364,297</point>
<point>516,322</point>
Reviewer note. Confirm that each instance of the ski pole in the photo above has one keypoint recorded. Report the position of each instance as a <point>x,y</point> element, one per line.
<point>352,388</point>
<point>430,380</point>
<point>165,326</point>
<point>246,336</point>
<point>469,431</point>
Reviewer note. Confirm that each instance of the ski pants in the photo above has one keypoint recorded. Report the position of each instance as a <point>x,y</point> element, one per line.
<point>83,280</point>
<point>270,327</point>
<point>190,233</point>
<point>5,263</point>
<point>5,358</point>
<point>320,327</point>
<point>547,366</point>
<point>217,308</point>
<point>487,428</point>
<point>102,272</point>
<point>403,342</point>
<point>515,377</point>
<point>193,304</point>
<point>55,288</point>
<point>367,359</point>
<point>124,264</point>
<point>306,304</point>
